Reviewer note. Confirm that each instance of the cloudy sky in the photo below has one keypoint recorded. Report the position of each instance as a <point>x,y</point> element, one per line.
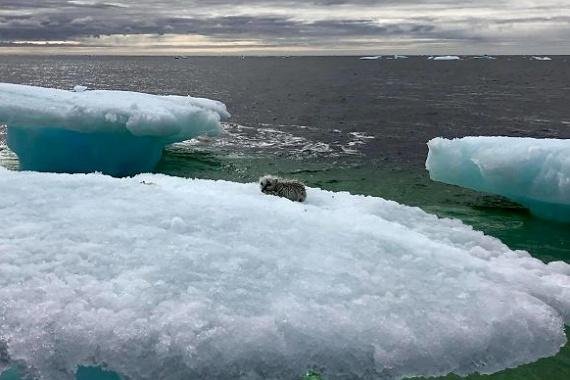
<point>285,27</point>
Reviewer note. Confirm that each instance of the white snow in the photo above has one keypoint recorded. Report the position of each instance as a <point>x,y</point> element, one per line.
<point>172,117</point>
<point>533,172</point>
<point>176,278</point>
<point>371,58</point>
<point>535,58</point>
<point>114,132</point>
<point>446,58</point>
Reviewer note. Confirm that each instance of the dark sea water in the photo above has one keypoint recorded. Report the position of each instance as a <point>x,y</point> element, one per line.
<point>348,125</point>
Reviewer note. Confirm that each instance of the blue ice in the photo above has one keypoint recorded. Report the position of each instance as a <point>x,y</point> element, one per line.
<point>114,132</point>
<point>529,171</point>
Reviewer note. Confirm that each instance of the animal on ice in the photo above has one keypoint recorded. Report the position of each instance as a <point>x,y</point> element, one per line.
<point>285,188</point>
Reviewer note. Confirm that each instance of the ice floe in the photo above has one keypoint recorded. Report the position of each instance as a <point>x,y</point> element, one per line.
<point>532,172</point>
<point>371,58</point>
<point>114,132</point>
<point>446,58</point>
<point>536,58</point>
<point>396,57</point>
<point>158,277</point>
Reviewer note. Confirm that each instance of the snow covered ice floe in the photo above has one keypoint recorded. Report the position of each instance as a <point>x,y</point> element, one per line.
<point>158,277</point>
<point>371,58</point>
<point>532,172</point>
<point>114,132</point>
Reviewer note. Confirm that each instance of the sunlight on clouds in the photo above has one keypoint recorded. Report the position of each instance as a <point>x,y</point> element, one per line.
<point>221,26</point>
<point>165,40</point>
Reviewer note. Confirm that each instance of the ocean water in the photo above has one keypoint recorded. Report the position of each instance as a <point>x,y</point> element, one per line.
<point>348,125</point>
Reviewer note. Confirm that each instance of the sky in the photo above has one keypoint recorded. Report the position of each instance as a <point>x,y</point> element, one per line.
<point>293,27</point>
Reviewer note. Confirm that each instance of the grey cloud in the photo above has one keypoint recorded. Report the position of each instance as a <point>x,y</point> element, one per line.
<point>61,20</point>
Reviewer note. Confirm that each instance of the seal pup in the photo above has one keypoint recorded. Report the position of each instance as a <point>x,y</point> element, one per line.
<point>285,188</point>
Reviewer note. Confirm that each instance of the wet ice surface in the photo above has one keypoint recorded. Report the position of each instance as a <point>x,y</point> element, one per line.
<point>157,276</point>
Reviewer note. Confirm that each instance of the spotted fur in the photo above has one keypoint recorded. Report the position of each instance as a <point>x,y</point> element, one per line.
<point>285,188</point>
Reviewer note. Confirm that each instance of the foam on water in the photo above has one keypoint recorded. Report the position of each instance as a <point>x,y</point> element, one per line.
<point>532,172</point>
<point>293,141</point>
<point>158,277</point>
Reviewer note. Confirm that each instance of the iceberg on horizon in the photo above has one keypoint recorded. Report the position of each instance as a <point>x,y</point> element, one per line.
<point>158,277</point>
<point>536,58</point>
<point>370,58</point>
<point>532,172</point>
<point>115,132</point>
<point>446,58</point>
<point>485,56</point>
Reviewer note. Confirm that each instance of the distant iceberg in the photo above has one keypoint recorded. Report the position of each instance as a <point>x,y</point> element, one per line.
<point>485,56</point>
<point>532,172</point>
<point>396,57</point>
<point>446,58</point>
<point>535,58</point>
<point>159,277</point>
<point>370,58</point>
<point>114,132</point>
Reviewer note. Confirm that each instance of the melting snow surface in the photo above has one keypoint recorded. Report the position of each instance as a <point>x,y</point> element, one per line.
<point>533,172</point>
<point>158,277</point>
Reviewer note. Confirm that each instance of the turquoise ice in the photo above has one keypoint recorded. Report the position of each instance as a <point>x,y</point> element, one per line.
<point>113,132</point>
<point>532,172</point>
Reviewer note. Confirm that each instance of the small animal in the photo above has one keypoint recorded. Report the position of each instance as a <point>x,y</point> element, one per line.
<point>285,188</point>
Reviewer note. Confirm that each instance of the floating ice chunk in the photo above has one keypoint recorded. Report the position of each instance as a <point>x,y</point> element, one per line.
<point>114,132</point>
<point>485,56</point>
<point>396,57</point>
<point>371,58</point>
<point>446,58</point>
<point>79,88</point>
<point>176,278</point>
<point>532,172</point>
<point>535,58</point>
